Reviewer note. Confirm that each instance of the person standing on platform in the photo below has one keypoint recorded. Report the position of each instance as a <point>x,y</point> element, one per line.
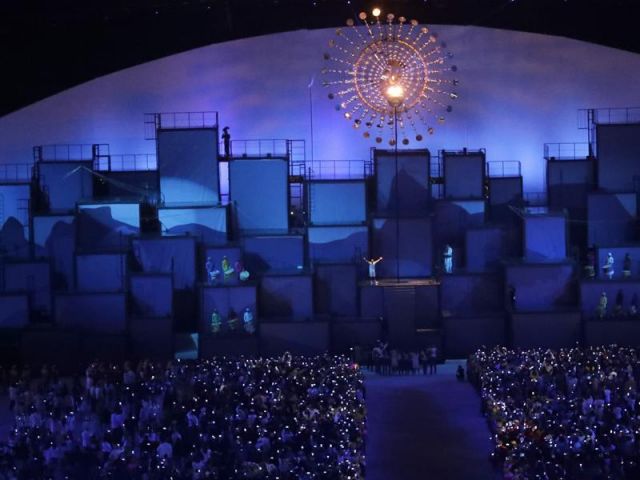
<point>232,321</point>
<point>602,305</point>
<point>226,141</point>
<point>590,267</point>
<point>247,320</point>
<point>607,268</point>
<point>447,258</point>
<point>372,268</point>
<point>227,270</point>
<point>210,268</point>
<point>433,359</point>
<point>216,322</point>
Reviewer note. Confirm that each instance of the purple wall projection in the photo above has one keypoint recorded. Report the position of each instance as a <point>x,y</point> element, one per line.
<point>101,272</point>
<point>14,310</point>
<point>295,337</point>
<point>92,312</point>
<point>507,103</point>
<point>610,331</point>
<point>371,301</point>
<point>505,190</point>
<point>612,218</point>
<point>568,182</point>
<point>414,248</point>
<point>550,330</point>
<point>54,237</point>
<point>618,153</point>
<point>33,278</point>
<point>464,294</point>
<point>288,296</point>
<point>341,202</point>
<point>543,286</point>
<point>14,220</point>
<point>151,337</point>
<point>151,295</point>
<point>14,200</point>
<point>427,306</point>
<point>344,334</point>
<point>485,248</point>
<point>336,290</point>
<point>175,255</point>
<point>274,253</point>
<point>188,166</point>
<point>411,185</point>
<point>338,244</point>
<point>545,237</point>
<point>463,175</point>
<point>464,335</point>
<point>259,190</point>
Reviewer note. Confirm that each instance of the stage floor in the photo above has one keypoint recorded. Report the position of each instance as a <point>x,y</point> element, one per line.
<point>402,282</point>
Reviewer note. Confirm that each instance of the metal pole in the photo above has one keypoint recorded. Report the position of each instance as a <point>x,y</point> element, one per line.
<point>395,144</point>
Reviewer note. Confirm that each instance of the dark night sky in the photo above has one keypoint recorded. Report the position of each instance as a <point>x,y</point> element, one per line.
<point>50,45</point>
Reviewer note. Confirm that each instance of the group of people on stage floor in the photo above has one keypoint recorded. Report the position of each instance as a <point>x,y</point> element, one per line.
<point>233,324</point>
<point>286,418</point>
<point>386,361</point>
<point>570,414</point>
<point>619,311</point>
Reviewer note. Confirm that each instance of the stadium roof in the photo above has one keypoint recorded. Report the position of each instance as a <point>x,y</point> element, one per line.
<point>51,45</point>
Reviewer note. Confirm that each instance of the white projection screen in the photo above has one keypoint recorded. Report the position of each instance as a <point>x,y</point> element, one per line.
<point>618,156</point>
<point>188,166</point>
<point>258,192</point>
<point>339,202</point>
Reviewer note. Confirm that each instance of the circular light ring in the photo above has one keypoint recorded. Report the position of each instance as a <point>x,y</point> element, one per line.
<point>365,61</point>
<point>378,62</point>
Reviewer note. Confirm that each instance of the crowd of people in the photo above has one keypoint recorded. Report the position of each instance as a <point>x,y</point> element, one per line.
<point>566,414</point>
<point>385,361</point>
<point>262,418</point>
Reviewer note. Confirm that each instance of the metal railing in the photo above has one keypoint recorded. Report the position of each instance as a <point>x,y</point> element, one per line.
<point>260,148</point>
<point>15,172</point>
<point>566,151</point>
<point>505,168</point>
<point>464,151</point>
<point>68,152</point>
<point>292,150</point>
<point>606,116</point>
<point>339,169</point>
<point>177,120</point>
<point>134,162</point>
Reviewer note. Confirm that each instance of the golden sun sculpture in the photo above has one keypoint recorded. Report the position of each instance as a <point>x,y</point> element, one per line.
<point>390,74</point>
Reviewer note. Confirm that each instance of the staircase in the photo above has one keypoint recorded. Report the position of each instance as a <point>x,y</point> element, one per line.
<point>400,311</point>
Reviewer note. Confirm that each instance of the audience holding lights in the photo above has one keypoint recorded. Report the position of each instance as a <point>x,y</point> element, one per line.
<point>567,414</point>
<point>263,418</point>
